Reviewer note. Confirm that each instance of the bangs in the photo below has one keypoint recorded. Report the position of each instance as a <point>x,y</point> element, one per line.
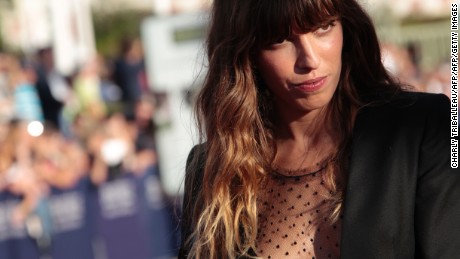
<point>275,19</point>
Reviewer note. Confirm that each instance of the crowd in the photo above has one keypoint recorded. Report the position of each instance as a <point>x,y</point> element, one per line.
<point>57,132</point>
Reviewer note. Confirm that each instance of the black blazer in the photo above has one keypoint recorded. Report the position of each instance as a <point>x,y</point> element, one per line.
<point>402,198</point>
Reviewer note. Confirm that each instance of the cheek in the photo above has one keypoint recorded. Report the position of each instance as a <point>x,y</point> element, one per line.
<point>336,49</point>
<point>272,67</point>
<point>336,59</point>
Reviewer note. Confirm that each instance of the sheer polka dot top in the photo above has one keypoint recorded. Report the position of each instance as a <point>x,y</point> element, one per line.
<point>294,219</point>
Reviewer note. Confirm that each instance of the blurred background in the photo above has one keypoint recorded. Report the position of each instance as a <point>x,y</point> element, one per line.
<point>95,116</point>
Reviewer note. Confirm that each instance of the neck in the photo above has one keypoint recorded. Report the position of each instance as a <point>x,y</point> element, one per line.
<point>305,140</point>
<point>310,126</point>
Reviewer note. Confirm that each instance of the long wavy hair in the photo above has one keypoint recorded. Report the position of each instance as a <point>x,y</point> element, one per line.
<point>234,113</point>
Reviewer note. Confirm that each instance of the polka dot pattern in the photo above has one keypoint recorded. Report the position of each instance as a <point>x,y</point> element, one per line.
<point>294,219</point>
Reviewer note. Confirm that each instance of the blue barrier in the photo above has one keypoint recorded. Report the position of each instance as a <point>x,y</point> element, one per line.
<point>161,217</point>
<point>15,243</point>
<point>72,235</point>
<point>120,223</point>
<point>126,217</point>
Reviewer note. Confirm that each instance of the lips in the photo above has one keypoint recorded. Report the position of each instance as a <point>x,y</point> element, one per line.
<point>310,85</point>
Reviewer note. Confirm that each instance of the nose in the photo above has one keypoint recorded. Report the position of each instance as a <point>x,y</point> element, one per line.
<point>307,54</point>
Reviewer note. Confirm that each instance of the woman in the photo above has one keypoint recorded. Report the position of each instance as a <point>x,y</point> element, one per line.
<point>312,150</point>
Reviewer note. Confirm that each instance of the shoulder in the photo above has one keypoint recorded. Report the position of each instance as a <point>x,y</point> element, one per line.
<point>422,101</point>
<point>406,108</point>
<point>194,169</point>
<point>193,185</point>
<point>196,157</point>
<point>409,123</point>
<point>410,101</point>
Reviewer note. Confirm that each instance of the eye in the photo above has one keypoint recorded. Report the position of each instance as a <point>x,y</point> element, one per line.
<point>277,41</point>
<point>324,28</point>
<point>273,43</point>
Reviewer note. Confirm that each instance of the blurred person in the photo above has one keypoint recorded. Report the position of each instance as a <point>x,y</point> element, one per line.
<point>145,130</point>
<point>123,145</point>
<point>27,106</point>
<point>94,97</point>
<point>129,73</point>
<point>53,88</point>
<point>112,149</point>
<point>16,171</point>
<point>111,93</point>
<point>94,94</point>
<point>309,148</point>
<point>400,64</point>
<point>63,165</point>
<point>20,105</point>
<point>87,90</point>
<point>144,113</point>
<point>161,207</point>
<point>59,162</point>
<point>82,126</point>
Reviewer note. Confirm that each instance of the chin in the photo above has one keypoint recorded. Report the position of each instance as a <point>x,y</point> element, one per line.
<point>319,103</point>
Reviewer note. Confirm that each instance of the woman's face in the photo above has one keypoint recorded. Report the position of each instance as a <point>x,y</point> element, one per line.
<point>303,70</point>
